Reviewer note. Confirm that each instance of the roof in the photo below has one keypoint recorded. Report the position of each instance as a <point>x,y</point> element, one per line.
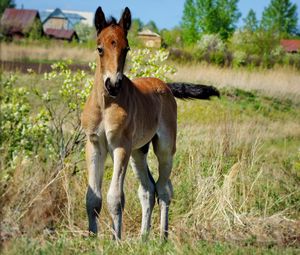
<point>61,33</point>
<point>17,20</point>
<point>88,17</point>
<point>72,17</point>
<point>148,32</point>
<point>290,45</point>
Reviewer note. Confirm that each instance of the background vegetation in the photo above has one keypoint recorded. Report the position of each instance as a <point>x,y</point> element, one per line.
<point>236,172</point>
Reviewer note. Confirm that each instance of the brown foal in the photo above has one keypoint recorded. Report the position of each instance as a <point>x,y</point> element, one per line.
<point>122,117</point>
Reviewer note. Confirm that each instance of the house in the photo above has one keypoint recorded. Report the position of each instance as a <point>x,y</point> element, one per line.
<point>60,25</point>
<point>62,34</point>
<point>290,46</point>
<point>150,39</point>
<point>18,23</point>
<point>88,17</point>
<point>57,19</point>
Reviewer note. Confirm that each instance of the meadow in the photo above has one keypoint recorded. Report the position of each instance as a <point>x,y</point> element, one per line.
<point>236,172</point>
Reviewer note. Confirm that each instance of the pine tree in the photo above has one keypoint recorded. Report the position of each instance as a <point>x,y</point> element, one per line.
<point>281,17</point>
<point>250,22</point>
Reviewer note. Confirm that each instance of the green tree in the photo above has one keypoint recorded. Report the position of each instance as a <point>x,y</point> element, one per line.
<point>226,15</point>
<point>85,32</point>
<point>172,38</point>
<point>6,4</point>
<point>152,26</point>
<point>250,22</point>
<point>280,16</point>
<point>209,17</point>
<point>189,22</point>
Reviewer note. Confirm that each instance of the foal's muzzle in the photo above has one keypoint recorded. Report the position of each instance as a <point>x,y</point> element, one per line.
<point>113,89</point>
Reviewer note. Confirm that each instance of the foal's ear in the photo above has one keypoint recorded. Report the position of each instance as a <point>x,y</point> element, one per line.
<point>125,20</point>
<point>100,21</point>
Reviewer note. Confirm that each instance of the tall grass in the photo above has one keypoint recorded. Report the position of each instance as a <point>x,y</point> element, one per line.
<point>279,82</point>
<point>46,52</point>
<point>236,180</point>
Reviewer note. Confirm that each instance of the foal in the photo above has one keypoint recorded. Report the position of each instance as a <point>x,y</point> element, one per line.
<point>122,117</point>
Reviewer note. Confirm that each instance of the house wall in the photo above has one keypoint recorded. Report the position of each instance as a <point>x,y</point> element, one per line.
<point>56,23</point>
<point>150,41</point>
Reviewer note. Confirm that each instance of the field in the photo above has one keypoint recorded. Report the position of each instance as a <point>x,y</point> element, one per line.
<point>236,177</point>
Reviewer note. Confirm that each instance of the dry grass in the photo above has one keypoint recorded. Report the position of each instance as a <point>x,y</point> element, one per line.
<point>12,51</point>
<point>279,82</point>
<point>236,177</point>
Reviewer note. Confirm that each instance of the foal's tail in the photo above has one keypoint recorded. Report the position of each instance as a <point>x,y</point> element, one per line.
<point>192,91</point>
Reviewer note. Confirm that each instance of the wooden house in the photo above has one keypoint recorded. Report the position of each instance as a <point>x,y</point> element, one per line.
<point>18,23</point>
<point>150,39</point>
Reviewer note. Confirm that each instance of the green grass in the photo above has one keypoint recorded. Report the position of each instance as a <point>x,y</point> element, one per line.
<point>83,245</point>
<point>236,179</point>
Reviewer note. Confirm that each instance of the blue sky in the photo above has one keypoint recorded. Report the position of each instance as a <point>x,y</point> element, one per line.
<point>165,13</point>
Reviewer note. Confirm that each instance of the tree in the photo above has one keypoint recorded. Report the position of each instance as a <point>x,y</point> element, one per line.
<point>6,4</point>
<point>227,16</point>
<point>250,22</point>
<point>189,22</point>
<point>281,17</point>
<point>209,17</point>
<point>152,26</point>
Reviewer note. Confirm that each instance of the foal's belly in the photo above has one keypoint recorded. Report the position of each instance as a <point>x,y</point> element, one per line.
<point>142,137</point>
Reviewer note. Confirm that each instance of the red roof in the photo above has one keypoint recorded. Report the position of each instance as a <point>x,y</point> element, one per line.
<point>61,33</point>
<point>17,20</point>
<point>290,45</point>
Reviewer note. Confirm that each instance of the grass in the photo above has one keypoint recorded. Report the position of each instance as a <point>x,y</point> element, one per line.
<point>45,53</point>
<point>236,179</point>
<point>281,82</point>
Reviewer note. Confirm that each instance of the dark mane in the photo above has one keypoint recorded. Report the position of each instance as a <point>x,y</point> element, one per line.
<point>111,21</point>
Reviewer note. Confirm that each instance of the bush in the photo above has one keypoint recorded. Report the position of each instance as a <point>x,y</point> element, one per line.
<point>211,49</point>
<point>147,63</point>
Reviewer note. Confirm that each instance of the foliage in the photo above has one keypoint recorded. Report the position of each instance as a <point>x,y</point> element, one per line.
<point>55,125</point>
<point>209,17</point>
<point>152,26</point>
<point>22,133</point>
<point>189,23</point>
<point>36,30</point>
<point>250,22</point>
<point>147,63</point>
<point>257,47</point>
<point>136,26</point>
<point>212,49</point>
<point>25,130</point>
<point>172,38</point>
<point>6,4</point>
<point>85,32</point>
<point>281,17</point>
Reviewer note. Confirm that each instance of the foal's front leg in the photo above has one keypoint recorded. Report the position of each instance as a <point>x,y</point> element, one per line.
<point>115,195</point>
<point>95,157</point>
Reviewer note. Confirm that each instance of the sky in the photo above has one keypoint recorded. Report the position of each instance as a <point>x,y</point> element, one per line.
<point>165,13</point>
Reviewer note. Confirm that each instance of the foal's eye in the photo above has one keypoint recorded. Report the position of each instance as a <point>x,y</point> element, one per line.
<point>100,50</point>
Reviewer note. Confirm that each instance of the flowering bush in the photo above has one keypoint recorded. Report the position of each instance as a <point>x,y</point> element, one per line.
<point>147,63</point>
<point>21,131</point>
<point>212,49</point>
<point>54,125</point>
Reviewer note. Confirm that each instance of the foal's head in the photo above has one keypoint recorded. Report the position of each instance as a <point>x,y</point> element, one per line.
<point>112,46</point>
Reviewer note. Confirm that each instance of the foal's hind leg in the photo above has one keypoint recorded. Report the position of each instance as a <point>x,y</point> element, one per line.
<point>164,150</point>
<point>95,158</point>
<point>147,186</point>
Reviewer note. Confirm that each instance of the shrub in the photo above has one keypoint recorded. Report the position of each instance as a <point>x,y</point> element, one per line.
<point>212,49</point>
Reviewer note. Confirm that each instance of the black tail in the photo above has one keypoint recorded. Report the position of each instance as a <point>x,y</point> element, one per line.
<point>192,91</point>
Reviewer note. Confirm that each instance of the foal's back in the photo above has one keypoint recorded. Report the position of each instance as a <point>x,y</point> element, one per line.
<point>154,108</point>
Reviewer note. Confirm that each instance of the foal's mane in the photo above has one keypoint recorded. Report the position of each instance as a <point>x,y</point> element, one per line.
<point>111,21</point>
